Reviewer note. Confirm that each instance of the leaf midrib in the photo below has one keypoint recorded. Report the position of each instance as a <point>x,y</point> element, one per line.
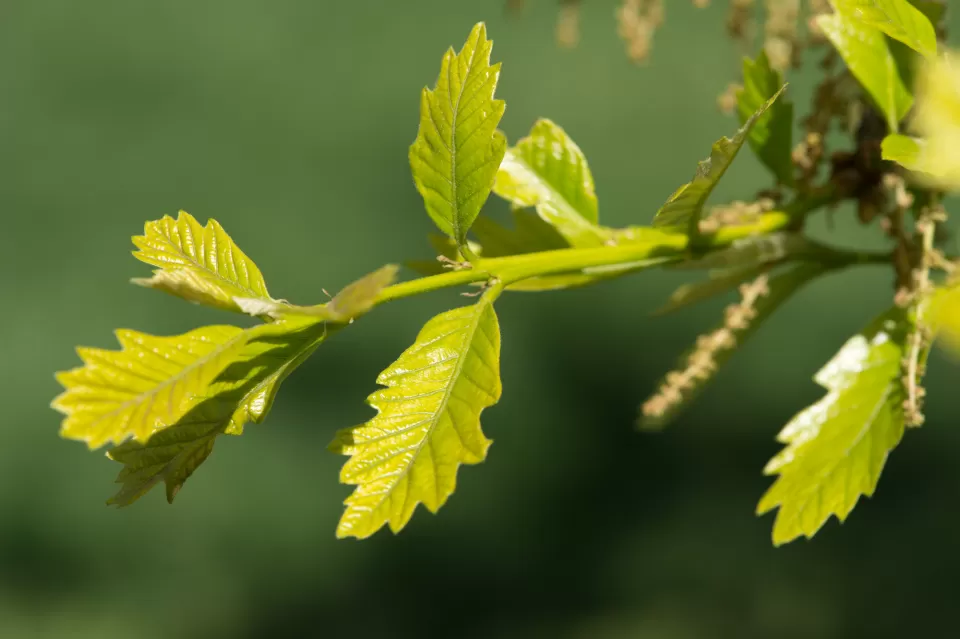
<point>279,375</point>
<point>138,399</point>
<point>441,409</point>
<point>866,428</point>
<point>453,134</point>
<point>200,266</point>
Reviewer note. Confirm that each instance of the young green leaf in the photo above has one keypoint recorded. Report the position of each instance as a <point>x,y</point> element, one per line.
<point>906,151</point>
<point>837,447</point>
<point>772,135</point>
<point>360,296</point>
<point>897,18</point>
<point>199,264</point>
<point>294,340</point>
<point>243,391</point>
<point>147,386</point>
<point>699,366</point>
<point>908,60</point>
<point>458,148</point>
<point>684,208</point>
<point>428,422</point>
<point>936,155</point>
<point>547,170</point>
<point>349,304</point>
<point>869,59</point>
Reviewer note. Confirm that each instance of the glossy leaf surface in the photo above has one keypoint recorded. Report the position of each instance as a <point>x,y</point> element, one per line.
<point>428,422</point>
<point>458,148</point>
<point>865,51</point>
<point>200,264</point>
<point>897,18</point>
<point>836,448</point>
<point>548,171</point>
<point>685,206</point>
<point>772,135</point>
<point>243,391</point>
<point>144,387</point>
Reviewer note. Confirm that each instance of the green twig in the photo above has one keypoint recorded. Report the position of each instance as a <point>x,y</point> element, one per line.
<point>648,247</point>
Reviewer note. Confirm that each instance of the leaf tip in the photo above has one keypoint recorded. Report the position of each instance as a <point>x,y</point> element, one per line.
<point>479,31</point>
<point>764,506</point>
<point>144,282</point>
<point>183,216</point>
<point>347,528</point>
<point>62,378</point>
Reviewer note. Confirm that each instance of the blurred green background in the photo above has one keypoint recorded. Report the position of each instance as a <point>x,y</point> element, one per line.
<point>289,121</point>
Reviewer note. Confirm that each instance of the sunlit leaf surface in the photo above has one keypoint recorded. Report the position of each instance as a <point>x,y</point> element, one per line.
<point>548,171</point>
<point>836,448</point>
<point>428,422</point>
<point>243,391</point>
<point>897,18</point>
<point>144,387</point>
<point>200,264</point>
<point>458,148</point>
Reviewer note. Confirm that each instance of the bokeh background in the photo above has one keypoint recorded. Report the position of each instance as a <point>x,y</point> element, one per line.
<point>289,121</point>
